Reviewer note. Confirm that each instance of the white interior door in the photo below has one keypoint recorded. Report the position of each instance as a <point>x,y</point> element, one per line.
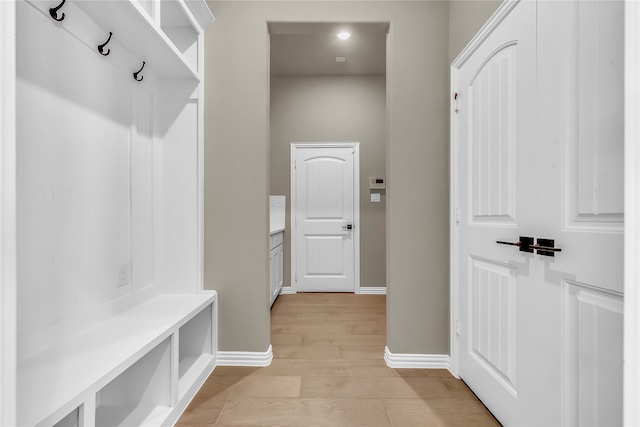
<point>538,138</point>
<point>496,105</point>
<point>324,217</point>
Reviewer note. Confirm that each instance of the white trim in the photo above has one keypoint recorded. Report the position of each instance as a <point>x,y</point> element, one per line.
<point>287,290</point>
<point>200,147</point>
<point>187,397</point>
<point>245,358</point>
<point>453,228</point>
<point>372,290</point>
<point>8,220</point>
<point>498,16</point>
<point>632,217</point>
<point>423,361</point>
<point>356,217</point>
<point>363,290</point>
<point>356,206</point>
<point>201,13</point>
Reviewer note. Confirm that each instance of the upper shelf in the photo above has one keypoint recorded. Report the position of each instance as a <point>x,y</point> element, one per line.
<point>163,33</point>
<point>178,25</point>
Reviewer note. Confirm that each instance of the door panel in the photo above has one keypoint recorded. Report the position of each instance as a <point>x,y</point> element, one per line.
<point>492,318</point>
<point>593,356</point>
<point>598,149</point>
<point>324,184</point>
<point>325,187</point>
<point>491,138</point>
<point>592,110</point>
<point>325,255</point>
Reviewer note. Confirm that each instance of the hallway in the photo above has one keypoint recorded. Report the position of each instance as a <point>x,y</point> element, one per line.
<point>328,370</point>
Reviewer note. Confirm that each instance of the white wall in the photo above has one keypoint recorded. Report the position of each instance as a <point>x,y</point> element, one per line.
<point>73,175</point>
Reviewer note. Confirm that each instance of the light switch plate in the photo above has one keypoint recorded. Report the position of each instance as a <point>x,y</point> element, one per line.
<point>375,197</point>
<point>124,274</point>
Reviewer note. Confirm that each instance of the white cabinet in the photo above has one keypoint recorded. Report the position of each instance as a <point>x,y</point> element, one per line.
<point>276,265</point>
<point>103,317</point>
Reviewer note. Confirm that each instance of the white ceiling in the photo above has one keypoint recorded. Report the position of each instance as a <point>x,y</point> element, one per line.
<point>310,49</point>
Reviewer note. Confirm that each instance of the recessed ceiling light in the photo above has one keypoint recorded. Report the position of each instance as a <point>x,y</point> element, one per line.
<point>341,59</point>
<point>344,35</point>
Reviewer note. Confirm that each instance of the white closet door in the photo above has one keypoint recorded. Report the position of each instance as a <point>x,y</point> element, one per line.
<point>496,98</point>
<point>539,134</point>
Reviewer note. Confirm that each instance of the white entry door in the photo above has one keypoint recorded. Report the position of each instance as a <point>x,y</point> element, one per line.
<point>538,153</point>
<point>324,203</point>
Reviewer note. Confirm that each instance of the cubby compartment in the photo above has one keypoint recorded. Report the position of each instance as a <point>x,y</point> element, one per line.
<point>196,349</point>
<point>148,6</point>
<point>71,420</point>
<point>141,395</point>
<point>136,31</point>
<point>176,24</point>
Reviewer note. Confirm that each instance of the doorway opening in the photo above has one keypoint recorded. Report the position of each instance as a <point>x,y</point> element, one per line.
<point>324,88</point>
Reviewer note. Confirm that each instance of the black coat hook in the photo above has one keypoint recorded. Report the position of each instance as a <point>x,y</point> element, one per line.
<point>135,75</point>
<point>54,11</point>
<point>101,47</point>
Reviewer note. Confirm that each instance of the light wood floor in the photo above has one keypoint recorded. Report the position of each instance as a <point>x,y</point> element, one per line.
<point>328,370</point>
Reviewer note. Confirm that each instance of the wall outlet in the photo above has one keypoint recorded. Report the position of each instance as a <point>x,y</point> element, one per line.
<point>124,274</point>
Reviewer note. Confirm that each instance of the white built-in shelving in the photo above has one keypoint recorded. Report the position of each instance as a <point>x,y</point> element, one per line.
<point>100,363</point>
<point>104,320</point>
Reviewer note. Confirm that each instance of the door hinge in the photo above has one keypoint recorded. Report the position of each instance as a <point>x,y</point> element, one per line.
<point>457,215</point>
<point>296,276</point>
<point>457,327</point>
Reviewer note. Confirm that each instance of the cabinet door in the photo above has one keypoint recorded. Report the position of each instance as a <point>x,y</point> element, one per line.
<point>279,267</point>
<point>273,258</point>
<point>276,270</point>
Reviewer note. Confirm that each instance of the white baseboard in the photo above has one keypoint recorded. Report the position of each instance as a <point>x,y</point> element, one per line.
<point>382,290</point>
<point>245,358</point>
<point>287,290</point>
<point>425,361</point>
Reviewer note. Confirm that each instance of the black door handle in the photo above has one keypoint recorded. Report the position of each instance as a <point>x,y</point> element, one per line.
<point>524,243</point>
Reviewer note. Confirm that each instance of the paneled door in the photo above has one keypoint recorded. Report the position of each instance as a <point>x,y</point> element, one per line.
<point>537,134</point>
<point>324,217</point>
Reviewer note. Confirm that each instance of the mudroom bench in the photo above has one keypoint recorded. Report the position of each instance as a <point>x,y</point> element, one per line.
<point>140,367</point>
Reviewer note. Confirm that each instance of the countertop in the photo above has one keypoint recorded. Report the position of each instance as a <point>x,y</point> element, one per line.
<point>276,214</point>
<point>275,231</point>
